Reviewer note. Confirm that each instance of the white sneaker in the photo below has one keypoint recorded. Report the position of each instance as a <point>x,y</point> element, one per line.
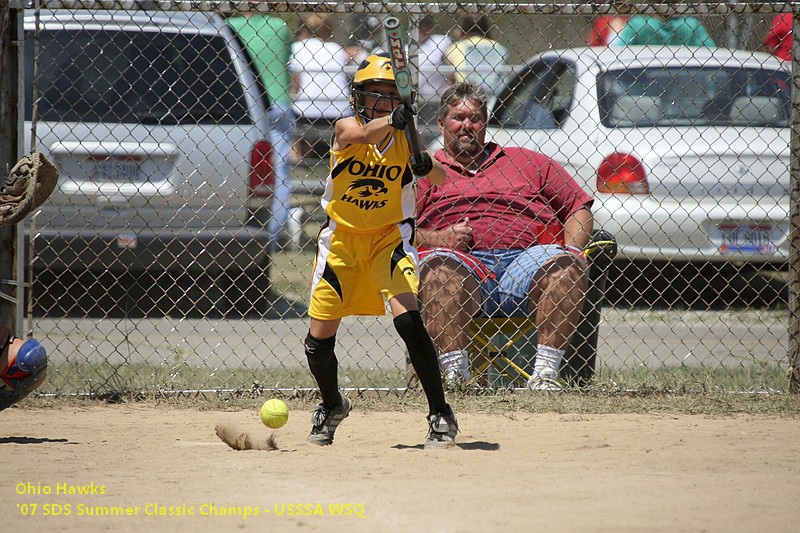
<point>545,380</point>
<point>456,367</point>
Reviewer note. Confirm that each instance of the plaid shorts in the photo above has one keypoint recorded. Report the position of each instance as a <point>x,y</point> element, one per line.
<point>504,276</point>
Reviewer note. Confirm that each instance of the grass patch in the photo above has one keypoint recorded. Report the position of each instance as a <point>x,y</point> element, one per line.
<point>141,379</point>
<point>508,403</point>
<point>761,377</point>
<point>694,390</point>
<point>290,274</point>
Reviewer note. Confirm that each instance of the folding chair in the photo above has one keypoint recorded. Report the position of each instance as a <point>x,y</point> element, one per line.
<point>485,353</point>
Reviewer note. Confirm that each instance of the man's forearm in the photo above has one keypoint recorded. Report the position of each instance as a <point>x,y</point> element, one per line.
<point>578,228</point>
<point>429,238</point>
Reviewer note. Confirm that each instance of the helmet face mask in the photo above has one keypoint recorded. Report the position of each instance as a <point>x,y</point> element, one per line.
<point>371,104</point>
<point>374,71</point>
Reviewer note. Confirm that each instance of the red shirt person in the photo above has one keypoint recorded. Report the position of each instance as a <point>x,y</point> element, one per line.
<point>504,234</point>
<point>606,30</point>
<point>779,39</point>
<point>515,199</point>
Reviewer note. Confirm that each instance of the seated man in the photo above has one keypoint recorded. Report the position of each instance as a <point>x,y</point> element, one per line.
<point>504,236</point>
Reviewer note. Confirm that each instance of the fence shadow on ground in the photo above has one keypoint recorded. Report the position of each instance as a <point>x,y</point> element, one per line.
<point>695,286</point>
<point>71,295</point>
<point>630,285</point>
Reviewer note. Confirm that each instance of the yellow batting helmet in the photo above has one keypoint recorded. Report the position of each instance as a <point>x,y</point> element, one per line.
<point>375,68</point>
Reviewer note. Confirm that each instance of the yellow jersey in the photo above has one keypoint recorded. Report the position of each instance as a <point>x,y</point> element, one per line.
<point>370,186</point>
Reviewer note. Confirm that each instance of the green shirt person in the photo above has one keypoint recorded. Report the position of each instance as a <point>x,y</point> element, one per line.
<point>269,44</point>
<point>643,30</point>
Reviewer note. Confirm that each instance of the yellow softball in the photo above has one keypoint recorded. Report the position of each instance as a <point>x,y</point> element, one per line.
<point>274,413</point>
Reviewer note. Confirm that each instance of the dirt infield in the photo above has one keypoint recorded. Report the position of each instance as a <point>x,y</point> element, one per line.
<point>120,467</point>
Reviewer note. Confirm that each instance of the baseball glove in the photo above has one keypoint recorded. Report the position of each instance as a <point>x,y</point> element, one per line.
<point>31,181</point>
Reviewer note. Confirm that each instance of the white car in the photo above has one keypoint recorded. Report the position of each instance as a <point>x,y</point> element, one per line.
<point>685,149</point>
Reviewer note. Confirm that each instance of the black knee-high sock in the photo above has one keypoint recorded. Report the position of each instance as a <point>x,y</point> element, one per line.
<point>422,353</point>
<point>325,368</point>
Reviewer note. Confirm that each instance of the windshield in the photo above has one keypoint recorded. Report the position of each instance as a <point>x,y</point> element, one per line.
<point>135,77</point>
<point>694,96</point>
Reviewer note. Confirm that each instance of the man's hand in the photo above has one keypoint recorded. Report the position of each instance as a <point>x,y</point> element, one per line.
<point>401,116</point>
<point>459,236</point>
<point>423,165</point>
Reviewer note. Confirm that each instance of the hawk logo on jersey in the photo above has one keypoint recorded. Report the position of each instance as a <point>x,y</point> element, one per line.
<point>364,188</point>
<point>369,187</point>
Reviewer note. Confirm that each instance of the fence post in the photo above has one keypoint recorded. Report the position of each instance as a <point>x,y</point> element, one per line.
<point>11,140</point>
<point>794,208</point>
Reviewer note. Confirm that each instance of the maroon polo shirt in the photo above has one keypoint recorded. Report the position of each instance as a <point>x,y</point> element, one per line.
<point>509,200</point>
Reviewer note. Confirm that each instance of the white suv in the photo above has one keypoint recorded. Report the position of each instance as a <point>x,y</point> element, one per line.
<point>158,127</point>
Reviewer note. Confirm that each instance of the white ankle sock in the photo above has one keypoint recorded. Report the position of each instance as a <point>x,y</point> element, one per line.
<point>547,357</point>
<point>456,365</point>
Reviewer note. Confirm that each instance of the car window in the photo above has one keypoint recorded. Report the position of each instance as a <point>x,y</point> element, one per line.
<point>699,96</point>
<point>135,77</point>
<point>558,97</point>
<point>521,104</point>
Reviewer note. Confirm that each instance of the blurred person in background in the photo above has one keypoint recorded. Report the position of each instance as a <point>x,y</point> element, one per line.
<point>269,43</point>
<point>606,30</point>
<point>362,40</point>
<point>646,30</point>
<point>476,57</point>
<point>320,84</point>
<point>432,48</point>
<point>779,39</point>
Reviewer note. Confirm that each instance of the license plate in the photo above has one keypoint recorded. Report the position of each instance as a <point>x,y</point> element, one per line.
<point>748,238</point>
<point>103,169</point>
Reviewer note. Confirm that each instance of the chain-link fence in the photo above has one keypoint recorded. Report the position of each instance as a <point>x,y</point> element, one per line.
<point>193,144</point>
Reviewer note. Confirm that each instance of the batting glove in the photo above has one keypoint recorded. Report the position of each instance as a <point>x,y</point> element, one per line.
<point>401,117</point>
<point>421,166</point>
